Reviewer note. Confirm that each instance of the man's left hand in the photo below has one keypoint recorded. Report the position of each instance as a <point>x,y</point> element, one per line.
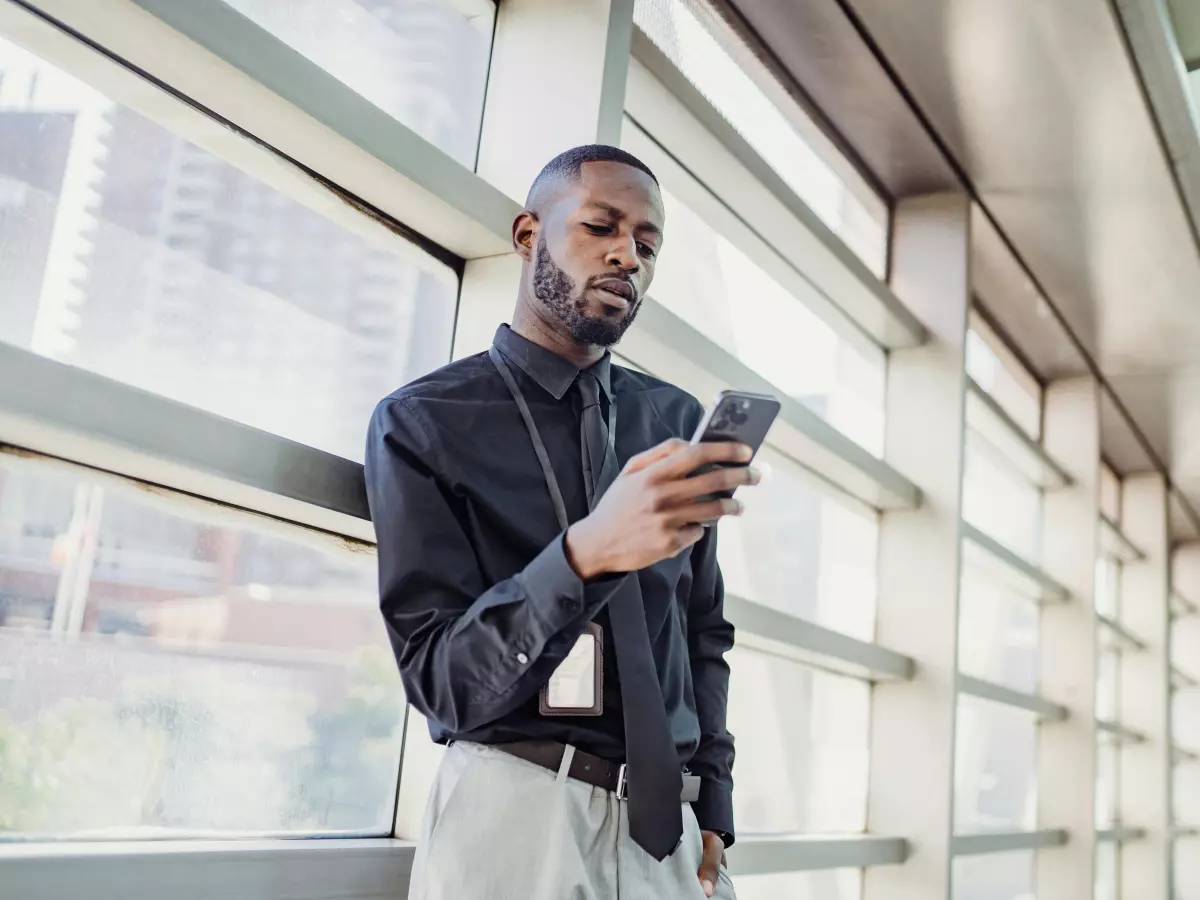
<point>713,856</point>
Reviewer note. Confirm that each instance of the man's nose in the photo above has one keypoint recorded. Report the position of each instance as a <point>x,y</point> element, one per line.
<point>623,255</point>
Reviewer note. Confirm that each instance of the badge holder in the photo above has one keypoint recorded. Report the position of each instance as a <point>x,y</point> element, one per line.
<point>577,686</point>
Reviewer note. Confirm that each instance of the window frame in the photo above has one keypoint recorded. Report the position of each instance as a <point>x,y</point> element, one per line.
<point>686,127</point>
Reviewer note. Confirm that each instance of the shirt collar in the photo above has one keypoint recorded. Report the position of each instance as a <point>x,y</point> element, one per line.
<point>553,373</point>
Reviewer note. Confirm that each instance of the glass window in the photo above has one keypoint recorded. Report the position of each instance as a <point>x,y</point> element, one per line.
<point>1186,878</point>
<point>994,876</point>
<point>1110,493</point>
<point>1000,501</point>
<point>799,550</point>
<point>1108,673</point>
<point>717,289</point>
<point>828,884</point>
<point>423,62</point>
<point>1107,873</point>
<point>172,668</point>
<point>801,761</point>
<point>801,746</point>
<point>995,767</point>
<point>132,253</point>
<point>422,757</point>
<point>1107,589</point>
<point>996,369</point>
<point>997,633</point>
<point>1185,721</point>
<point>1185,791</point>
<point>734,80</point>
<point>1108,770</point>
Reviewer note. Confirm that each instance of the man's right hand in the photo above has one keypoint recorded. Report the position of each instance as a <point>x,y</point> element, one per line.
<point>650,512</point>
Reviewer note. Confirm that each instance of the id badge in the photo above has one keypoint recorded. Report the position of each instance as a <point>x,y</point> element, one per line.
<point>577,686</point>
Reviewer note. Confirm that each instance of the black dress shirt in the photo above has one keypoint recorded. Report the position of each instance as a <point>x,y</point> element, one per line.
<point>480,602</point>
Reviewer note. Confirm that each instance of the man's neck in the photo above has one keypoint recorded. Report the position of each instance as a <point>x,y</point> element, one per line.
<point>533,328</point>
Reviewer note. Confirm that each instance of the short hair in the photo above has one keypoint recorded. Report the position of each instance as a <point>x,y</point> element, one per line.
<point>569,164</point>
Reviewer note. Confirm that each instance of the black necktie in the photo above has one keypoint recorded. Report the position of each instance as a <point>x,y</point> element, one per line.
<point>653,773</point>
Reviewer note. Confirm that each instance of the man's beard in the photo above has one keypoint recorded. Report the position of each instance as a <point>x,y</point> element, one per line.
<point>556,290</point>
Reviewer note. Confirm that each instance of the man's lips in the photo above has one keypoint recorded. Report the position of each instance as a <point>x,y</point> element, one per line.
<point>617,293</point>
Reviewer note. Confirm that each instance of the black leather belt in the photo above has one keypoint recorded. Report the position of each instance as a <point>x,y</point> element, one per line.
<point>589,769</point>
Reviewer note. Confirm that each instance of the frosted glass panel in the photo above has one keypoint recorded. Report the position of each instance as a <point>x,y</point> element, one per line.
<point>997,632</point>
<point>801,736</point>
<point>994,876</point>
<point>1000,501</point>
<point>799,550</point>
<point>995,774</point>
<point>831,884</point>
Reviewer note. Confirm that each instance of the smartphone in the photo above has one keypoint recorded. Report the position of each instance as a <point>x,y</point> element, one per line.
<point>736,416</point>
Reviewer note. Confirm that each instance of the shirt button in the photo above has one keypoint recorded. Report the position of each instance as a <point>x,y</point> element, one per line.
<point>522,658</point>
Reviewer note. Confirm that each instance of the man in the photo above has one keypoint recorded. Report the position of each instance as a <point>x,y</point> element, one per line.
<point>549,584</point>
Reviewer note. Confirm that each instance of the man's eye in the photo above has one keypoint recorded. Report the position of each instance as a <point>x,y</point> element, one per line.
<point>597,229</point>
<point>646,250</point>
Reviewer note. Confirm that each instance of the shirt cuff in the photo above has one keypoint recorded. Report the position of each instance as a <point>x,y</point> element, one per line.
<point>557,592</point>
<point>714,810</point>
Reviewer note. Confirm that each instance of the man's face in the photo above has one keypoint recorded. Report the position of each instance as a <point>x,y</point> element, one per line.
<point>595,252</point>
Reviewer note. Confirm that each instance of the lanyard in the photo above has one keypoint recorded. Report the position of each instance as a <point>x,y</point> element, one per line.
<point>539,446</point>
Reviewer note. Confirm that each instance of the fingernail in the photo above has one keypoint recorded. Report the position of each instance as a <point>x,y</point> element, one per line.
<point>708,888</point>
<point>745,453</point>
<point>738,507</point>
<point>755,473</point>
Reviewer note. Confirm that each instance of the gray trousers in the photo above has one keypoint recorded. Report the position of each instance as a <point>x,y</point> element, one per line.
<point>500,828</point>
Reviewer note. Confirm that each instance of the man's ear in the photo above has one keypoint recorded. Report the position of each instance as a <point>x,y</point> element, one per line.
<point>524,234</point>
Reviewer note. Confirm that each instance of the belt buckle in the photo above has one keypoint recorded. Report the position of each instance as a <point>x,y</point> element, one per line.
<point>622,783</point>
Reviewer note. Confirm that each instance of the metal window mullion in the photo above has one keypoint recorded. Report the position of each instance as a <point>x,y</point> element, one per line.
<point>1052,590</point>
<point>1006,841</point>
<point>1049,473</point>
<point>1127,638</point>
<point>1119,733</point>
<point>763,854</point>
<point>1114,542</point>
<point>998,693</point>
<point>775,631</point>
<point>1182,755</point>
<point>1182,606</point>
<point>350,869</point>
<point>69,413</point>
<point>1119,835</point>
<point>1181,680</point>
